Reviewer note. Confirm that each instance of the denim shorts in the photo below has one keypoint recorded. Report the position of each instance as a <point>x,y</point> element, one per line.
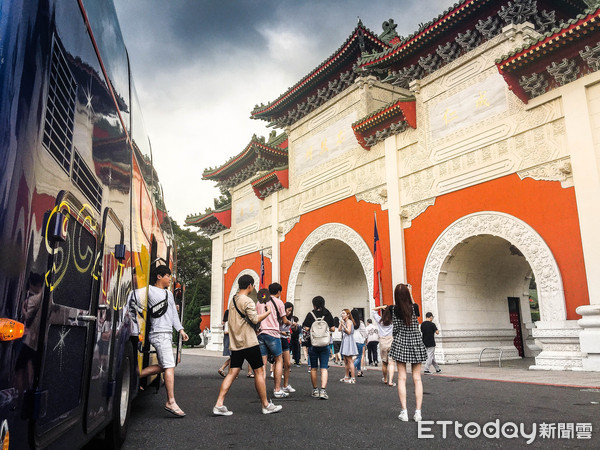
<point>319,357</point>
<point>269,344</point>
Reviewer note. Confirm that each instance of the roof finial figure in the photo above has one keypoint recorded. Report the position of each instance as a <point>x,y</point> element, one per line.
<point>360,24</point>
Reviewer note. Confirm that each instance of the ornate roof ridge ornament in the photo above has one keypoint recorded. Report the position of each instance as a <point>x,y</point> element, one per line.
<point>308,94</point>
<point>573,50</point>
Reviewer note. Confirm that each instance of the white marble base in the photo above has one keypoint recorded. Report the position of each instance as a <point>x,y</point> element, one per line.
<point>559,341</point>
<point>216,339</point>
<point>589,338</point>
<point>464,346</point>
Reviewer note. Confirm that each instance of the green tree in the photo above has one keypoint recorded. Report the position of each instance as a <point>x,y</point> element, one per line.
<point>194,255</point>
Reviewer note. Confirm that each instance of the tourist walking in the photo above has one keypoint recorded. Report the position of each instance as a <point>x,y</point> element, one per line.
<point>348,348</point>
<point>162,310</point>
<point>318,326</point>
<point>295,333</point>
<point>226,351</point>
<point>407,347</point>
<point>429,330</point>
<point>372,342</point>
<point>269,337</point>
<point>285,330</point>
<point>385,328</point>
<point>360,338</point>
<point>243,343</point>
<point>337,341</point>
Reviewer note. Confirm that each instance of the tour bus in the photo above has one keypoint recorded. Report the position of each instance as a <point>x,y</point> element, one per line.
<point>82,223</point>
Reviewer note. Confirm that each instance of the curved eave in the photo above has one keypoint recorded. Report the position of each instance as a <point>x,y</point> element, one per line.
<point>386,118</point>
<point>550,42</point>
<point>260,113</point>
<point>412,43</point>
<point>204,220</point>
<point>405,108</point>
<point>241,158</point>
<point>280,175</point>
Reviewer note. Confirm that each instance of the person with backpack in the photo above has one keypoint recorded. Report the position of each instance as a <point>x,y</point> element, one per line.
<point>163,318</point>
<point>348,348</point>
<point>318,326</point>
<point>269,336</point>
<point>243,321</point>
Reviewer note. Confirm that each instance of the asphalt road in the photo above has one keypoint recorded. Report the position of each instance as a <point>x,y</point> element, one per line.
<point>363,415</point>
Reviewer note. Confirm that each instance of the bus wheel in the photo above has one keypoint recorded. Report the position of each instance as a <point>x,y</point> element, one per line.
<point>117,430</point>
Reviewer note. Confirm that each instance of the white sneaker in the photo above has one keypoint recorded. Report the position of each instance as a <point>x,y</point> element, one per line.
<point>403,416</point>
<point>271,375</point>
<point>280,394</point>
<point>417,417</point>
<point>315,393</point>
<point>271,408</point>
<point>289,389</point>
<point>221,411</point>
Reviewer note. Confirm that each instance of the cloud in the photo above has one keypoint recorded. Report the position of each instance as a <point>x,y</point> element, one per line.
<point>201,66</point>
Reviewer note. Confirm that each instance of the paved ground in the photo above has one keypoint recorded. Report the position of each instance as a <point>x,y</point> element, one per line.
<point>365,415</point>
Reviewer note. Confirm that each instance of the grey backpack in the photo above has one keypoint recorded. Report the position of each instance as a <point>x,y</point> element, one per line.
<point>319,332</point>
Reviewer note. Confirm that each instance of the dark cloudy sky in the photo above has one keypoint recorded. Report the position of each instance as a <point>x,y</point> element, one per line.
<point>200,67</point>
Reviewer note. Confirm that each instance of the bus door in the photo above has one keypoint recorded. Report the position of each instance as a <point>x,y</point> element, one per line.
<point>70,234</point>
<point>109,269</point>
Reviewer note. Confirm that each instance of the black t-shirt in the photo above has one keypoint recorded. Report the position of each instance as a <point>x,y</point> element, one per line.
<point>428,330</point>
<point>308,321</point>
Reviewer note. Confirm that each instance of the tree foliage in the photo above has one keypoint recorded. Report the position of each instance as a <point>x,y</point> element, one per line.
<point>194,255</point>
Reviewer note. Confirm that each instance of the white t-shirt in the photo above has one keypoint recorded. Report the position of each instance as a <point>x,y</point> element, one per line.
<point>372,333</point>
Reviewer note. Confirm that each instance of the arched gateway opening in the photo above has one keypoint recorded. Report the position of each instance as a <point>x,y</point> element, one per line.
<point>477,281</point>
<point>335,263</point>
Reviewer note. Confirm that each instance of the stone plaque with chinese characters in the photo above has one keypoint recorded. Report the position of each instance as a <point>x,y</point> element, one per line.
<point>468,107</point>
<point>325,145</point>
<point>246,209</point>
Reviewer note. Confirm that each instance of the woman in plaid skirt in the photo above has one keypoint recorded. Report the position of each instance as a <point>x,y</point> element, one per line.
<point>407,347</point>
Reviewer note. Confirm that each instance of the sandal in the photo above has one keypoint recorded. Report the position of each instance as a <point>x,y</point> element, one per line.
<point>177,412</point>
<point>250,375</point>
<point>383,380</point>
<point>345,380</point>
<point>392,384</point>
<point>352,381</point>
<point>359,374</point>
<point>220,372</point>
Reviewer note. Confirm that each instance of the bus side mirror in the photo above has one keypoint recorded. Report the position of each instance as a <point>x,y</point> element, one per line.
<point>55,226</point>
<point>120,250</point>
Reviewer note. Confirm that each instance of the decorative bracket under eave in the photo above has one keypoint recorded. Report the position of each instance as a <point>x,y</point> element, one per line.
<point>389,120</point>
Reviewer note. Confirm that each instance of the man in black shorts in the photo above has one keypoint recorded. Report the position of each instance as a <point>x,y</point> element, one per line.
<point>243,344</point>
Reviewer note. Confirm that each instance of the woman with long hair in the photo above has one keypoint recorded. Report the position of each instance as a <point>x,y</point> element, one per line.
<point>407,347</point>
<point>360,336</point>
<point>348,348</point>
<point>385,328</point>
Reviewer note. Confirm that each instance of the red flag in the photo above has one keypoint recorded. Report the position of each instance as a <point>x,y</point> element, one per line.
<point>377,264</point>
<point>262,271</point>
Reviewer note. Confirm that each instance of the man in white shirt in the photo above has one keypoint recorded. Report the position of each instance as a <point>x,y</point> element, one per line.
<point>160,300</point>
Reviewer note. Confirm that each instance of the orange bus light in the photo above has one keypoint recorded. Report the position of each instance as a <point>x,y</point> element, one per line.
<point>10,329</point>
